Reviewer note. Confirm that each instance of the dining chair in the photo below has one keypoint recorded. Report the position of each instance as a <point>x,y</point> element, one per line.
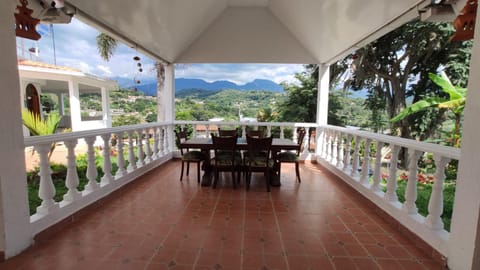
<point>292,157</point>
<point>258,159</point>
<point>255,133</point>
<point>188,155</point>
<point>225,159</point>
<point>227,132</point>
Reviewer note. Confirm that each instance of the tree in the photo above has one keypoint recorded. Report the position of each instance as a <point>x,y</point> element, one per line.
<point>455,103</point>
<point>395,67</point>
<point>106,46</point>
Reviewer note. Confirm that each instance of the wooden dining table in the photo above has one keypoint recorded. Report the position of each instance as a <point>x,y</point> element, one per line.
<point>205,144</point>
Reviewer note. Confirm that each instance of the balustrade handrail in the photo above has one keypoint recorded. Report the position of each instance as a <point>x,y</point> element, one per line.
<point>445,151</point>
<point>33,140</point>
<point>229,123</point>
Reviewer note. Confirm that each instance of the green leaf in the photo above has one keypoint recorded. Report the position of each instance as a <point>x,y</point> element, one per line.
<point>447,87</point>
<point>416,107</point>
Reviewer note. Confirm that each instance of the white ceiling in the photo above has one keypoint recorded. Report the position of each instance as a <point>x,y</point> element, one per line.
<point>246,31</point>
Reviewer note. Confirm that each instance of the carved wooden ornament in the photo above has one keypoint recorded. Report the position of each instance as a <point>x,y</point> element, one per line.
<point>465,22</point>
<point>25,23</point>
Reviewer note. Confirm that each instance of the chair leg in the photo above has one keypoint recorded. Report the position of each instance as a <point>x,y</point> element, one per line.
<point>297,170</point>
<point>215,179</point>
<point>267,180</point>
<point>188,167</point>
<point>181,174</point>
<point>198,172</point>
<point>234,179</point>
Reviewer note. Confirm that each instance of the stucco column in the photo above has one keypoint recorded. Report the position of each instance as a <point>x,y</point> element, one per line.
<point>322,102</point>
<point>165,92</point>
<point>15,233</point>
<point>75,112</point>
<point>106,115</point>
<point>464,239</point>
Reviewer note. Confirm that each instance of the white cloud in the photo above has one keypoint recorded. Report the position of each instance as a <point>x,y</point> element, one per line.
<point>106,70</point>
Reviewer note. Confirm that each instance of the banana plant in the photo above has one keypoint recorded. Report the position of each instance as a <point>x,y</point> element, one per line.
<point>455,103</point>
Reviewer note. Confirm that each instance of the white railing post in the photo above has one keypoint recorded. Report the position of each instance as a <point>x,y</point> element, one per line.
<point>282,132</point>
<point>207,133</point>
<point>161,142</point>
<point>269,131</point>
<point>148,149</point>
<point>107,162</point>
<point>366,162</point>
<point>306,145</point>
<point>155,143</point>
<point>72,177</point>
<point>323,139</point>
<point>244,132</point>
<point>328,143</point>
<point>377,173</point>
<point>347,158</point>
<point>131,152</point>
<point>356,154</point>
<point>411,192</point>
<point>340,154</point>
<point>47,189</point>
<point>92,173</point>
<point>194,133</point>
<point>435,204</point>
<point>140,155</point>
<point>294,135</point>
<point>391,194</point>
<point>120,158</point>
<point>333,159</point>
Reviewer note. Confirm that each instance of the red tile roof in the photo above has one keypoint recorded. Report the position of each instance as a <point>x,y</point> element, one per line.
<point>25,62</point>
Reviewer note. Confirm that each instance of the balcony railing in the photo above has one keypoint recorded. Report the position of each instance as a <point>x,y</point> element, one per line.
<point>346,152</point>
<point>340,151</point>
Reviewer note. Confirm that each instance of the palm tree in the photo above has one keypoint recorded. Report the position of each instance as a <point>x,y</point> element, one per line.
<point>455,103</point>
<point>39,127</point>
<point>106,46</point>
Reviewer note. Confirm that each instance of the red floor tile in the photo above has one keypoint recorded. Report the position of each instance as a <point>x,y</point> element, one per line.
<point>158,222</point>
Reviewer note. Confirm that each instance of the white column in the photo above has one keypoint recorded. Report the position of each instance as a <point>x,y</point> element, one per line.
<point>75,112</point>
<point>106,116</point>
<point>464,238</point>
<point>15,232</point>
<point>322,96</point>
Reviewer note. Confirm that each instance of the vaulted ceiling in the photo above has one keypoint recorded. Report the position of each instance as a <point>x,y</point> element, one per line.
<point>247,31</point>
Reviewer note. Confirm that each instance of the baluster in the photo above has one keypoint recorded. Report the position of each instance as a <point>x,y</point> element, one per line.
<point>340,150</point>
<point>140,155</point>
<point>72,177</point>
<point>107,163</point>
<point>435,204</point>
<point>306,145</point>
<point>294,130</point>
<point>120,158</point>
<point>328,140</point>
<point>347,158</point>
<point>207,133</point>
<point>377,173</point>
<point>131,152</point>
<point>92,173</point>
<point>47,189</point>
<point>391,194</point>
<point>282,134</point>
<point>148,149</point>
<point>162,151</point>
<point>366,162</point>
<point>269,131</point>
<point>411,192</point>
<point>168,147</point>
<point>334,148</point>
<point>155,143</point>
<point>356,157</point>
<point>324,144</point>
<point>194,134</point>
<point>244,132</point>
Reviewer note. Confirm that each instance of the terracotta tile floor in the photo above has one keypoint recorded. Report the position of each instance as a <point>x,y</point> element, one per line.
<point>159,222</point>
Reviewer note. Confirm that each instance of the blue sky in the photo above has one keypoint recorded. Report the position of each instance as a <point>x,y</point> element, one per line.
<point>75,46</point>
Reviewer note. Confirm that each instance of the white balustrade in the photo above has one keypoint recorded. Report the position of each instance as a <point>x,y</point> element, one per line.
<point>435,205</point>
<point>132,165</point>
<point>340,154</point>
<point>155,143</point>
<point>347,158</point>
<point>366,162</point>
<point>71,182</point>
<point>282,132</point>
<point>334,147</point>
<point>411,192</point>
<point>356,158</point>
<point>148,149</point>
<point>47,189</point>
<point>377,171</point>
<point>120,157</point>
<point>92,173</point>
<point>140,155</point>
<point>391,194</point>
<point>107,162</point>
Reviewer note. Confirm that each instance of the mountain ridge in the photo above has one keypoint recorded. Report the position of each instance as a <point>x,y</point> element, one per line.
<point>149,86</point>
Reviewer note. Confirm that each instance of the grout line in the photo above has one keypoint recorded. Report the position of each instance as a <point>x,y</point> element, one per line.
<point>279,232</point>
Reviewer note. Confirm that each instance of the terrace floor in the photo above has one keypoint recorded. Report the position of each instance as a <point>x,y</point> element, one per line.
<point>158,222</point>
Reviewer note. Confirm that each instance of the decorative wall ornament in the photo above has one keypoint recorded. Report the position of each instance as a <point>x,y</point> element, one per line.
<point>24,22</point>
<point>465,22</point>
